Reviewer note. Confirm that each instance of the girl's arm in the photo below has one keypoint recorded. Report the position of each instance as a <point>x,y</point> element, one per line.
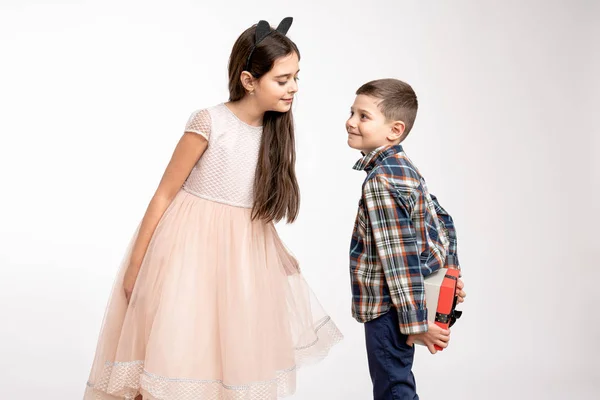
<point>188,151</point>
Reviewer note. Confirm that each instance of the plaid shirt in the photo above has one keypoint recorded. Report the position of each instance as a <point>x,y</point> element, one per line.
<point>401,235</point>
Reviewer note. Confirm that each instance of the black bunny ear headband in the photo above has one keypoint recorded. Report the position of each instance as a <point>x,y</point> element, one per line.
<point>263,29</point>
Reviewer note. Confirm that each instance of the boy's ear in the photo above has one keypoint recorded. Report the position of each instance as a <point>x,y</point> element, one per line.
<point>397,131</point>
<point>248,81</point>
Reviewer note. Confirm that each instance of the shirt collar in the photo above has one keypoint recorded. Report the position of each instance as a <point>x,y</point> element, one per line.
<point>375,157</point>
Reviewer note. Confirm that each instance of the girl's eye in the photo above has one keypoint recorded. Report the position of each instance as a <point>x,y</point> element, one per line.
<point>363,116</point>
<point>285,82</point>
<point>351,113</point>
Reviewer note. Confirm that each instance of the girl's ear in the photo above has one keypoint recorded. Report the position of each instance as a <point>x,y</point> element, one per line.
<point>248,81</point>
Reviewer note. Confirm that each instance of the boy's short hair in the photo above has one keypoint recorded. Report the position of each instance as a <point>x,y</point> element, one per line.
<point>398,100</point>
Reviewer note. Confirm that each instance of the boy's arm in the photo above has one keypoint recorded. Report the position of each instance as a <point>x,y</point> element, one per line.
<point>398,252</point>
<point>448,224</point>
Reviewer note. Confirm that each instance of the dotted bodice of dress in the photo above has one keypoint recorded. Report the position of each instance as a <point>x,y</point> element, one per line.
<point>225,172</point>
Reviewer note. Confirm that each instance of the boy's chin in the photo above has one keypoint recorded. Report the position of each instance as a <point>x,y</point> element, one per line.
<point>357,146</point>
<point>353,145</point>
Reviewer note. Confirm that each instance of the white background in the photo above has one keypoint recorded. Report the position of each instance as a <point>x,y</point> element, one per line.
<point>94,96</point>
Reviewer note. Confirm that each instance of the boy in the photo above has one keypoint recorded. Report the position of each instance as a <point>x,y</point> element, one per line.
<point>401,235</point>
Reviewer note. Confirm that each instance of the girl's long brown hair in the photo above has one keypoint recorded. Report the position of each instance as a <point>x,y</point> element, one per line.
<point>276,192</point>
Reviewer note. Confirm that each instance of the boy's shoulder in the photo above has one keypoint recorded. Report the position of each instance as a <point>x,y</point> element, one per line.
<point>396,170</point>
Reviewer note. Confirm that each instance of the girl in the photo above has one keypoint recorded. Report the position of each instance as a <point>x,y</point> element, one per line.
<point>209,304</point>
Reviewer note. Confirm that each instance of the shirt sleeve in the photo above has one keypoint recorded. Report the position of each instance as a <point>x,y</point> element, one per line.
<point>396,242</point>
<point>199,122</point>
<point>448,225</point>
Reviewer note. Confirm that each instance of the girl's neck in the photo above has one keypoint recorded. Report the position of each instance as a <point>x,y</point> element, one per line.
<point>247,111</point>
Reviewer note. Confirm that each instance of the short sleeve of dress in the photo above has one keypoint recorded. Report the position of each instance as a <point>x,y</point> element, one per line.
<point>200,123</point>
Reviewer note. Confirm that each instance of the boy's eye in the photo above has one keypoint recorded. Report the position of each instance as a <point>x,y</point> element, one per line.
<point>282,83</point>
<point>362,116</point>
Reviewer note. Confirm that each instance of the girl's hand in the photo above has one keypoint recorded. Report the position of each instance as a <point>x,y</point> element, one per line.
<point>129,281</point>
<point>190,148</point>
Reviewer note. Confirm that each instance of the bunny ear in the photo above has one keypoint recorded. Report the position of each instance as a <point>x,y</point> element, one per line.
<point>284,25</point>
<point>263,29</point>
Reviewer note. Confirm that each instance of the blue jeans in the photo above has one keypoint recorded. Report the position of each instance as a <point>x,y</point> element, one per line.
<point>390,359</point>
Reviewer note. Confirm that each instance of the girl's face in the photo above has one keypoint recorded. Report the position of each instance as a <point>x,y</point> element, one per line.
<point>275,90</point>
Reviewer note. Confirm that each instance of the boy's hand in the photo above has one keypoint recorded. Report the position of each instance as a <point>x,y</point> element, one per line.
<point>434,335</point>
<point>460,293</point>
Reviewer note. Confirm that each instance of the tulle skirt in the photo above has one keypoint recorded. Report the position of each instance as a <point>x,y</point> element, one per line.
<point>220,311</point>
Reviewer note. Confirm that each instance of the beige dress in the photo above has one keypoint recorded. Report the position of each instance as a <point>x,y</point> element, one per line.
<point>220,309</point>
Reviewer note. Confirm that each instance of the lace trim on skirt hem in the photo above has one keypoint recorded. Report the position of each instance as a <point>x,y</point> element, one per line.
<point>155,387</point>
<point>126,380</point>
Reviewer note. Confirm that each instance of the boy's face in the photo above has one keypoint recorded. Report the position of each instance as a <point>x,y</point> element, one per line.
<point>368,128</point>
